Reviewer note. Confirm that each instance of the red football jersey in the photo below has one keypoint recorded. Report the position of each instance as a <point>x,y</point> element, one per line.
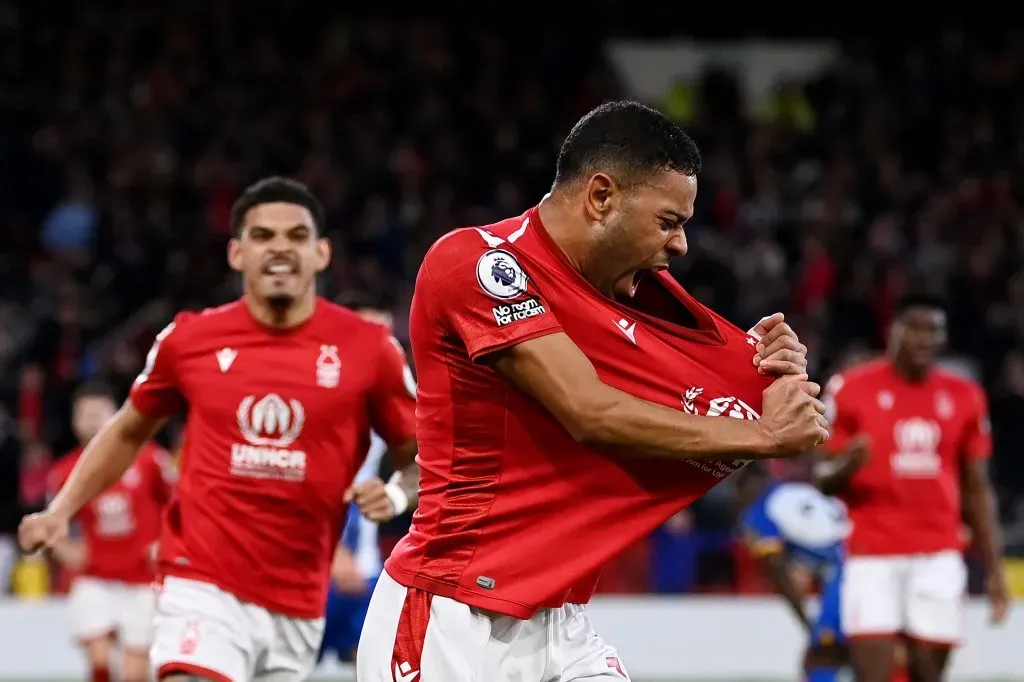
<point>120,526</point>
<point>278,424</point>
<point>906,498</point>
<point>514,514</point>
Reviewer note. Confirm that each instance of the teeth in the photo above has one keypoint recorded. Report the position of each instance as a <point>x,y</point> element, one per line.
<point>280,269</point>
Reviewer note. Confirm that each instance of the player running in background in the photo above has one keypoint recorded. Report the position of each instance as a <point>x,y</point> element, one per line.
<point>113,556</point>
<point>794,522</point>
<point>282,389</point>
<point>357,562</point>
<point>912,445</point>
<point>568,403</point>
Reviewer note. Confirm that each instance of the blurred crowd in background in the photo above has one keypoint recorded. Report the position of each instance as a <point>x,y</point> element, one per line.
<point>128,131</point>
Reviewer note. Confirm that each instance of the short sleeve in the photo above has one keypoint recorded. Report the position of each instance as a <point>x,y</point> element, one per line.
<point>977,439</point>
<point>483,294</point>
<point>393,396</point>
<point>761,533</point>
<point>841,416</point>
<point>155,392</point>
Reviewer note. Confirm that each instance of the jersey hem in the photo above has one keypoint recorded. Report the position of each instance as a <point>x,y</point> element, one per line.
<point>903,552</point>
<point>134,582</point>
<point>243,595</point>
<point>441,588</point>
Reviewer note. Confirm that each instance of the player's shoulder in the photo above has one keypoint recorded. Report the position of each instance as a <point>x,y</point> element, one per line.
<point>471,242</point>
<point>862,375</point>
<point>66,462</point>
<point>61,468</point>
<point>353,324</point>
<point>955,381</point>
<point>201,322</point>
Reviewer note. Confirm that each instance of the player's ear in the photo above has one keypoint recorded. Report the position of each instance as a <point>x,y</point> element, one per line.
<point>600,192</point>
<point>235,254</point>
<point>323,253</point>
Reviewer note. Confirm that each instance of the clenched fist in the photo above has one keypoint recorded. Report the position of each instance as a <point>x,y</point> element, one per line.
<point>44,530</point>
<point>793,418</point>
<point>372,499</point>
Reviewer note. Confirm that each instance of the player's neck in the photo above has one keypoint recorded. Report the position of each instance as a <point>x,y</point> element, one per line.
<point>911,373</point>
<point>569,232</point>
<point>281,318</point>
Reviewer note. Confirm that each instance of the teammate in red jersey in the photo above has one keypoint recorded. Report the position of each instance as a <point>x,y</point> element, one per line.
<point>913,444</point>
<point>567,394</point>
<point>282,389</point>
<point>113,559</point>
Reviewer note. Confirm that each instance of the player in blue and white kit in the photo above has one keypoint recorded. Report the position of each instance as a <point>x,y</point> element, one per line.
<point>795,522</point>
<point>357,565</point>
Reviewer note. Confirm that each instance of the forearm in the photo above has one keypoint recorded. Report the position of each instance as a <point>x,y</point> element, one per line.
<point>618,420</point>
<point>832,475</point>
<point>980,514</point>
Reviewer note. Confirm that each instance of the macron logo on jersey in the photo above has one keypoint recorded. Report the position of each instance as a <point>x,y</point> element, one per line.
<point>628,329</point>
<point>404,672</point>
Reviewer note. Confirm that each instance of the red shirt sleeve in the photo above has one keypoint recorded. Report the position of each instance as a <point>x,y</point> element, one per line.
<point>483,294</point>
<point>977,439</point>
<point>155,392</point>
<point>841,416</point>
<point>393,397</point>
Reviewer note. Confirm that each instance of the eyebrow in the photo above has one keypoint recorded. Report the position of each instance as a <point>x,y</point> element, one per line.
<point>298,226</point>
<point>681,217</point>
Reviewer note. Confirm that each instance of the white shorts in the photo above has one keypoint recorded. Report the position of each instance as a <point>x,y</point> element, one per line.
<point>920,596</point>
<point>107,607</point>
<point>203,630</point>
<point>411,634</point>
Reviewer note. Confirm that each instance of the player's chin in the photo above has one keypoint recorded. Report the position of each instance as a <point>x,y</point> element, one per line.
<point>924,357</point>
<point>280,300</point>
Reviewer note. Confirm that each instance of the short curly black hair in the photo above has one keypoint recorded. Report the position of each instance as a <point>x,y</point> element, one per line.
<point>920,298</point>
<point>272,190</point>
<point>628,140</point>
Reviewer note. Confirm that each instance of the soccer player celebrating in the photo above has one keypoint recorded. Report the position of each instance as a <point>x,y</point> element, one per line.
<point>111,600</point>
<point>912,444</point>
<point>282,389</point>
<point>572,397</point>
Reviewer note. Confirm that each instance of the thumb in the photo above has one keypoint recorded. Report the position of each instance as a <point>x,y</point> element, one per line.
<point>766,324</point>
<point>350,494</point>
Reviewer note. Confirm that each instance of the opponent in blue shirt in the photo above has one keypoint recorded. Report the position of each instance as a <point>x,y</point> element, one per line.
<point>357,565</point>
<point>795,522</point>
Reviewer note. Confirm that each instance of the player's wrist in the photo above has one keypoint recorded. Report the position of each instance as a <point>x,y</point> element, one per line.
<point>399,498</point>
<point>58,509</point>
<point>764,441</point>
